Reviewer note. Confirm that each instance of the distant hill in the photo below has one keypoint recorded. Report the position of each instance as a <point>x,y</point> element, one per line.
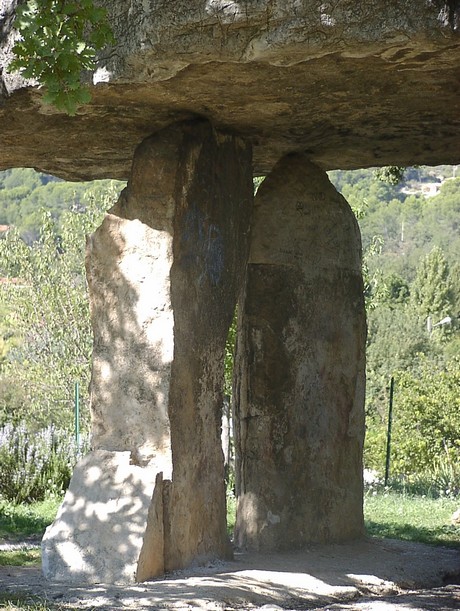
<point>413,217</point>
<point>24,193</point>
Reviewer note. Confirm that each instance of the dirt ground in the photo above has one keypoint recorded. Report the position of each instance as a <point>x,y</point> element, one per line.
<point>369,575</point>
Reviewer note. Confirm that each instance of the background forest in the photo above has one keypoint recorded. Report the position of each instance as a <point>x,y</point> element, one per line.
<point>411,243</point>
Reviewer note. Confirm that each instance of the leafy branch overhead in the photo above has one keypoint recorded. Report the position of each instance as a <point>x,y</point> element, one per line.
<point>58,42</point>
<point>392,174</point>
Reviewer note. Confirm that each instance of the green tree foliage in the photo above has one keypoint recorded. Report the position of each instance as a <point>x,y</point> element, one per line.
<point>400,344</point>
<point>396,338</point>
<point>44,296</point>
<point>426,423</point>
<point>432,289</point>
<point>409,224</point>
<point>391,174</point>
<point>59,41</point>
<point>24,193</point>
<point>414,273</point>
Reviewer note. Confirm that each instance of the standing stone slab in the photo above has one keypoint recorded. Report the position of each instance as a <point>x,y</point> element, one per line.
<point>211,228</point>
<point>128,265</point>
<point>164,273</point>
<point>300,366</point>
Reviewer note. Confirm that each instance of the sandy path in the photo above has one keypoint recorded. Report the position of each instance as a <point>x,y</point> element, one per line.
<point>373,574</point>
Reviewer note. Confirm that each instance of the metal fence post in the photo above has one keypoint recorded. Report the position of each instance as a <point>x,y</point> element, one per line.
<point>390,420</point>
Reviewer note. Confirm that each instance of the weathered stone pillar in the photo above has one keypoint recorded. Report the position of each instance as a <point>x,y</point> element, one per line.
<point>214,197</point>
<point>164,273</point>
<point>299,410</point>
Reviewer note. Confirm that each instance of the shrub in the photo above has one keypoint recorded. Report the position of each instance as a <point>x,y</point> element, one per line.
<point>36,465</point>
<point>426,421</point>
<point>425,440</point>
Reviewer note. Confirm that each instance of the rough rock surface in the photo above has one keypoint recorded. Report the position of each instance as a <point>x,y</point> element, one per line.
<point>99,531</point>
<point>213,206</point>
<point>299,413</point>
<point>164,271</point>
<point>351,83</point>
<point>128,266</point>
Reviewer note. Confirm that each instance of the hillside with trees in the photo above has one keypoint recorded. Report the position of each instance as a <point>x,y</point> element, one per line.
<point>411,242</point>
<point>45,343</point>
<point>25,194</point>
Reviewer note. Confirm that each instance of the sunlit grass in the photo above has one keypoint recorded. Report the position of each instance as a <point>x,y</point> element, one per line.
<point>22,557</point>
<point>26,602</point>
<point>412,518</point>
<point>387,515</point>
<point>18,600</point>
<point>19,521</point>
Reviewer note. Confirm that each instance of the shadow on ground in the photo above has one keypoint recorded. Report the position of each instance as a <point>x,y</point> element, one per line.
<point>326,577</point>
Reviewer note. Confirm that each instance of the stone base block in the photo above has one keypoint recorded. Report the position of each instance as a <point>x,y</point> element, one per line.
<point>110,525</point>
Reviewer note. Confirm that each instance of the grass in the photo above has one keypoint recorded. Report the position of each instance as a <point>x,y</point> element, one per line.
<point>20,521</point>
<point>20,557</point>
<point>22,600</point>
<point>27,602</point>
<point>412,518</point>
<point>387,515</point>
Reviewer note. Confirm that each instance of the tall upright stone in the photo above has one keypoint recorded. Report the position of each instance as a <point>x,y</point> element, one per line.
<point>299,409</point>
<point>164,273</point>
<point>214,195</point>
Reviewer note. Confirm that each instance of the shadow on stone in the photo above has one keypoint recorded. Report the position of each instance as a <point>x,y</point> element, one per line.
<point>164,273</point>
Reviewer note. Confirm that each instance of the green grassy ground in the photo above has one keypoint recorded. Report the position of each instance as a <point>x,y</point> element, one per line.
<point>412,518</point>
<point>388,515</point>
<point>26,603</point>
<point>22,557</point>
<point>17,522</point>
<point>20,521</point>
<point>23,602</point>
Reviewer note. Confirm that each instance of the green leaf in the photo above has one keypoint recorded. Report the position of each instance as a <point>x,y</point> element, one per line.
<point>83,96</point>
<point>69,8</point>
<point>49,97</point>
<point>64,37</point>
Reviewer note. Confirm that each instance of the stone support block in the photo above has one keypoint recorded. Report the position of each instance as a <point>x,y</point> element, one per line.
<point>100,529</point>
<point>164,272</point>
<point>299,411</point>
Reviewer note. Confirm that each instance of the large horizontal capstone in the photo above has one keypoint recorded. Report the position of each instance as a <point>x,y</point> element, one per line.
<point>351,84</point>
